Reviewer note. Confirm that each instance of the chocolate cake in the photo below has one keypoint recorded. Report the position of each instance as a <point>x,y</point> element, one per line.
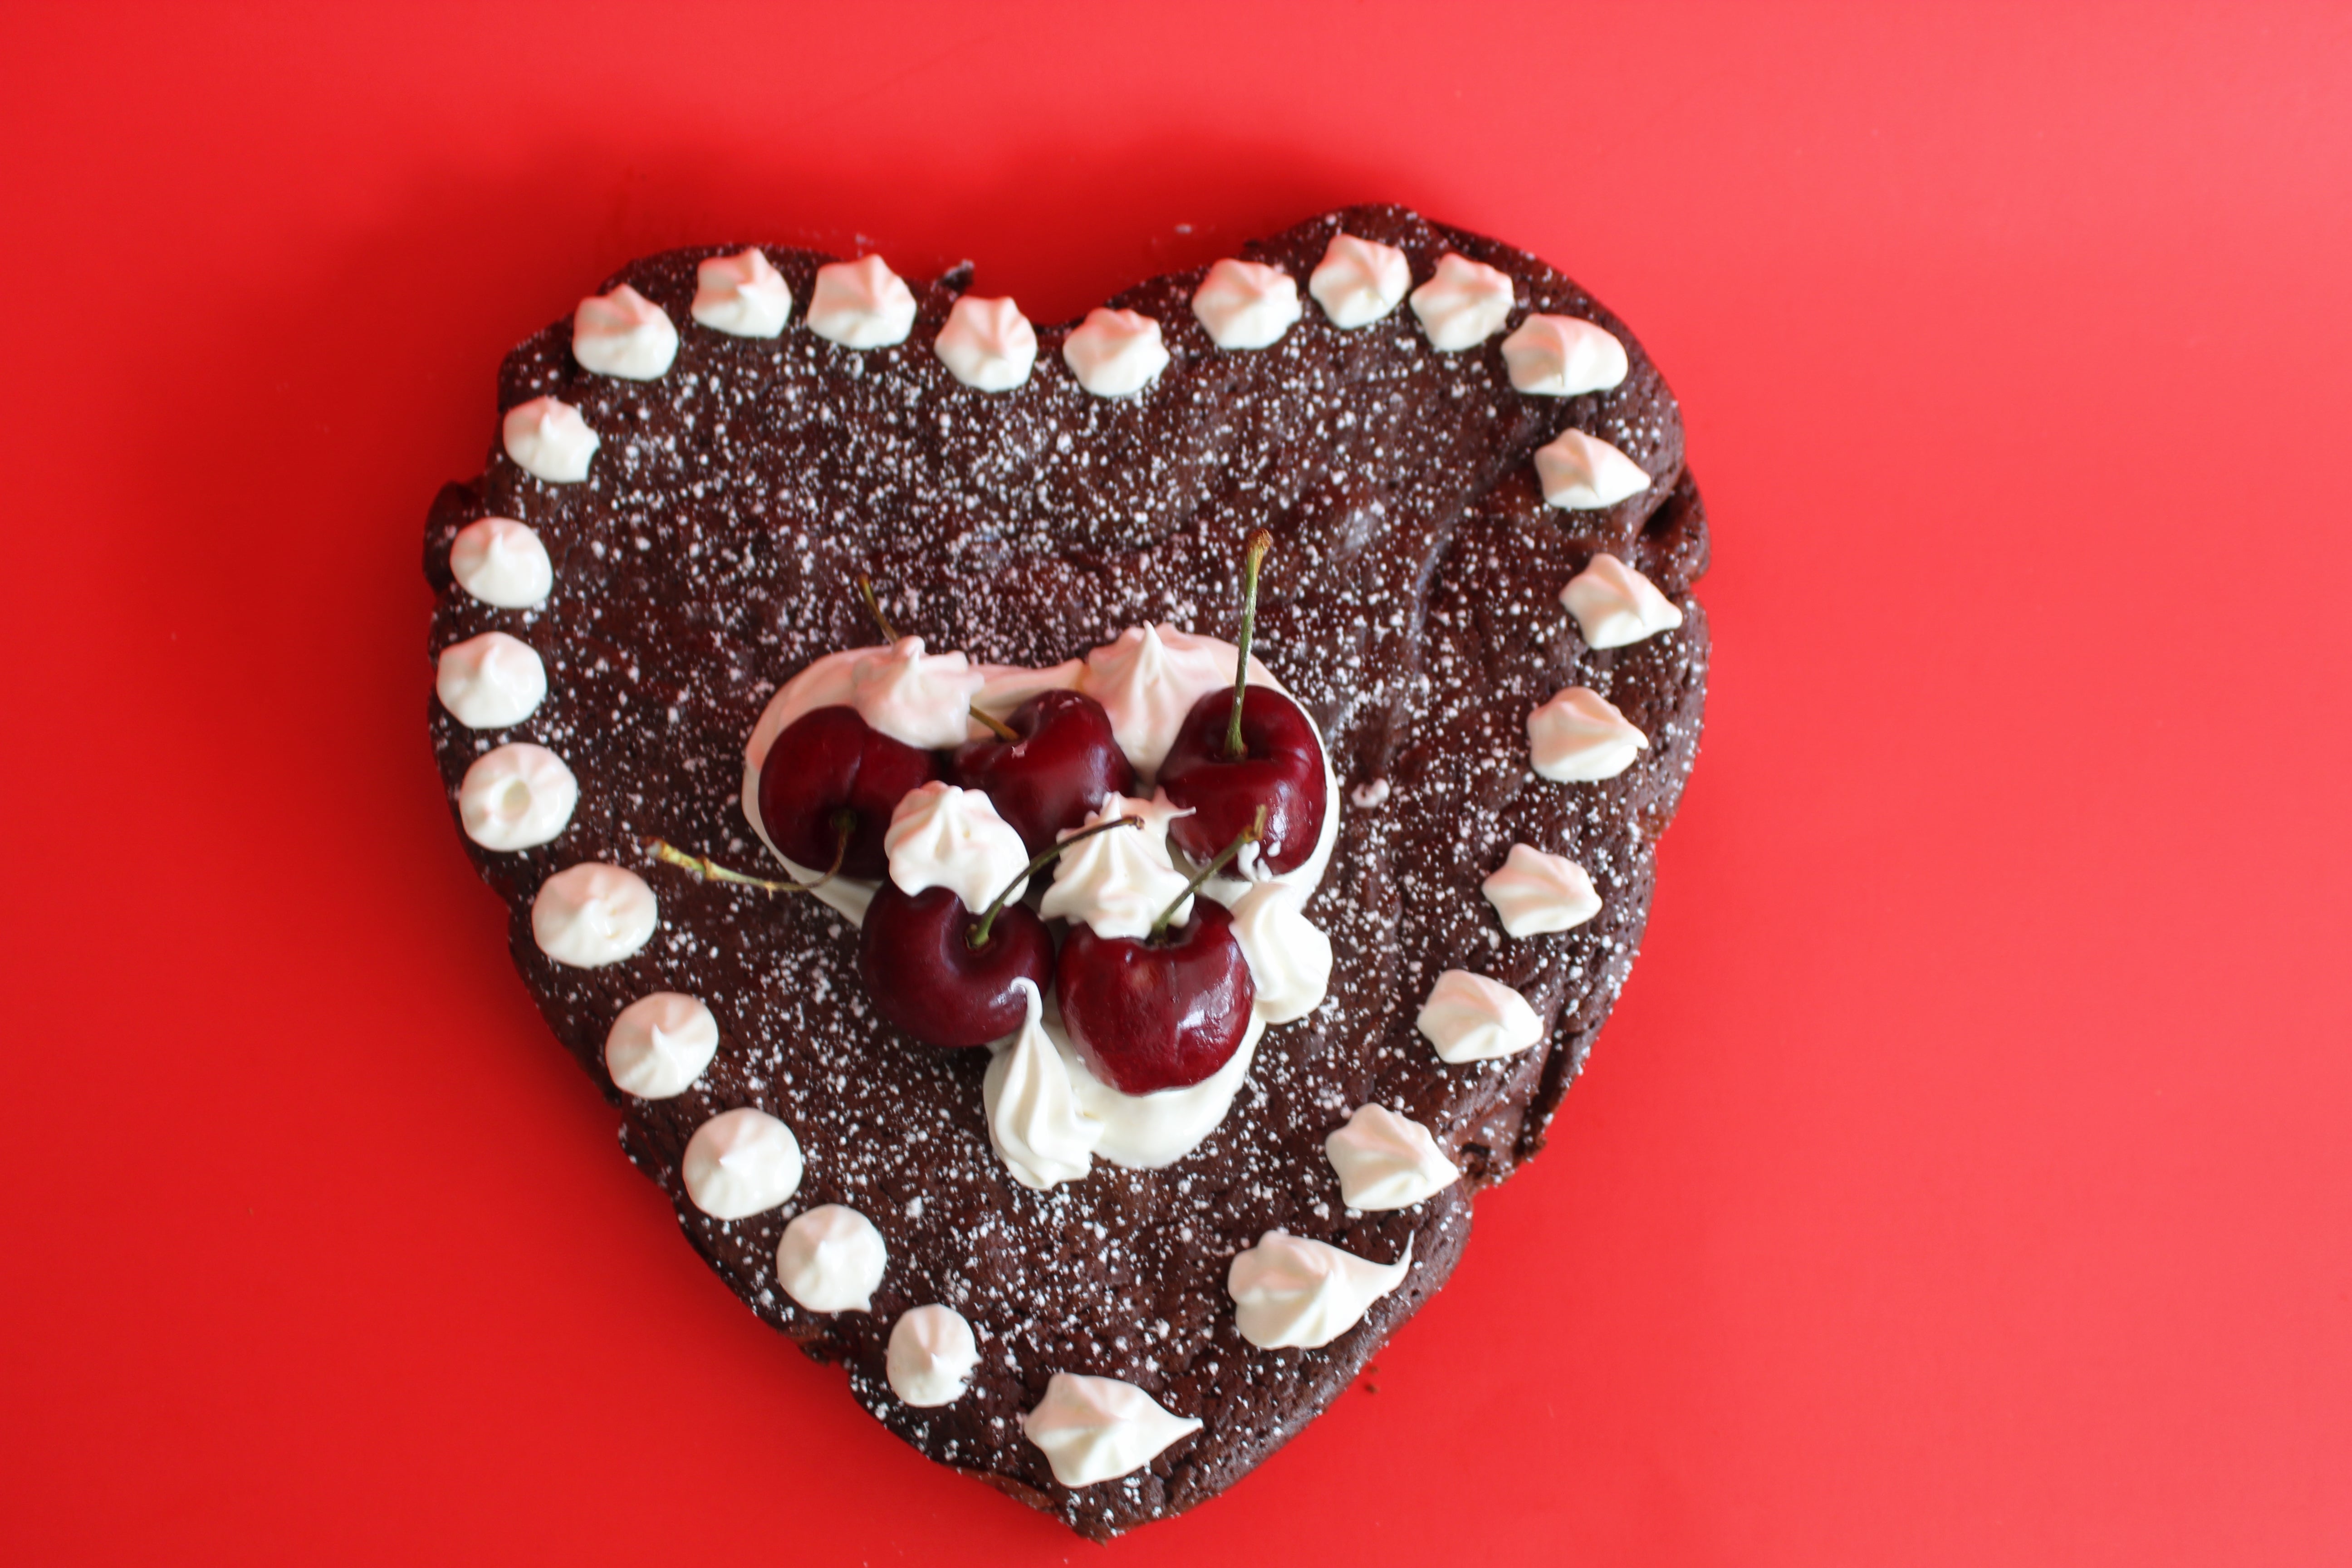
<point>745,475</point>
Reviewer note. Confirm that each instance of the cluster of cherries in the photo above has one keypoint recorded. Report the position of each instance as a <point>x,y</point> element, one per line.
<point>1157,1012</point>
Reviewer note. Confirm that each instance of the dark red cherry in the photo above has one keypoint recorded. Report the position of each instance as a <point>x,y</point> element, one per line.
<point>1055,774</point>
<point>1150,1016</point>
<point>1280,768</point>
<point>827,761</point>
<point>924,974</point>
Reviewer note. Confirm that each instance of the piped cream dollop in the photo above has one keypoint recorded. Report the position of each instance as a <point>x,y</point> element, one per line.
<point>1097,1428</point>
<point>1535,892</point>
<point>1290,1291</point>
<point>924,700</point>
<point>1289,957</point>
<point>502,563</point>
<point>943,837</point>
<point>1564,356</point>
<point>1038,1131</point>
<point>987,344</point>
<point>861,304</point>
<point>1115,354</point>
<point>517,796</point>
<point>1148,678</point>
<point>1245,304</point>
<point>1584,473</point>
<point>491,681</point>
<point>660,1044</point>
<point>1471,1018</point>
<point>593,914</point>
<point>1579,737</point>
<point>831,1258</point>
<point>1359,280</point>
<point>549,440</point>
<point>1464,305</point>
<point>741,1162</point>
<point>1119,883</point>
<point>743,295</point>
<point>932,1356</point>
<point>1615,606</point>
<point>1033,1119</point>
<point>1385,1161</point>
<point>623,334</point>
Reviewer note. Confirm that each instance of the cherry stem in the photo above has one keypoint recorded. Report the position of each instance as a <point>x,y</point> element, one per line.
<point>1253,557</point>
<point>874,608</point>
<point>996,727</point>
<point>978,936</point>
<point>711,871</point>
<point>1249,834</point>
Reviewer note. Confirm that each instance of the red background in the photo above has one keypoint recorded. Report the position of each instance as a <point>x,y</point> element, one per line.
<point>1965,1177</point>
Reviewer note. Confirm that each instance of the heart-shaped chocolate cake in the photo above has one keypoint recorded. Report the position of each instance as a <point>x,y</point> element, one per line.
<point>1079,982</point>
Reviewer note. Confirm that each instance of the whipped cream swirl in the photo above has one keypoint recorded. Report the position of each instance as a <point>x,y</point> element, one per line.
<point>1584,473</point>
<point>861,304</point>
<point>1563,356</point>
<point>924,700</point>
<point>1471,1018</point>
<point>517,796</point>
<point>987,344</point>
<point>943,837</point>
<point>1114,352</point>
<point>1385,1161</point>
<point>1464,305</point>
<point>1359,280</point>
<point>932,1356</point>
<point>1039,1132</point>
<point>831,1258</point>
<point>1033,1119</point>
<point>1119,883</point>
<point>1290,1291</point>
<point>743,295</point>
<point>1148,678</point>
<point>502,563</point>
<point>1535,892</point>
<point>1579,737</point>
<point>549,440</point>
<point>741,1162</point>
<point>1289,957</point>
<point>491,681</point>
<point>660,1044</point>
<point>1245,304</point>
<point>623,334</point>
<point>1615,606</point>
<point>1096,1428</point>
<point>593,914</point>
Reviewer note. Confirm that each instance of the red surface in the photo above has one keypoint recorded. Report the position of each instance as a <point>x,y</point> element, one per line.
<point>1965,1178</point>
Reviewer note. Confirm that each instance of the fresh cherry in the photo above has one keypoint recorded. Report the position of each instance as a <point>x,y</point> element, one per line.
<point>828,770</point>
<point>1253,751</point>
<point>1280,771</point>
<point>946,975</point>
<point>1056,771</point>
<point>1149,1015</point>
<point>1166,1011</point>
<point>925,975</point>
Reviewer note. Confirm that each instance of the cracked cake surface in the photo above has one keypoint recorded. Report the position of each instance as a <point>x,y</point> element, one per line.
<point>1412,607</point>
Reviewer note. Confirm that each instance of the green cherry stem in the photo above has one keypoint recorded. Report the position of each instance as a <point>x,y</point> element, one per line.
<point>874,608</point>
<point>1253,557</point>
<point>996,727</point>
<point>978,936</point>
<point>1249,834</point>
<point>711,871</point>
